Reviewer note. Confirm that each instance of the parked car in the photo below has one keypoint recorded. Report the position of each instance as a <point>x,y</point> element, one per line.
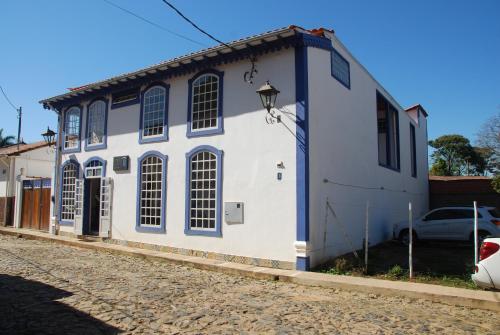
<point>452,223</point>
<point>487,271</point>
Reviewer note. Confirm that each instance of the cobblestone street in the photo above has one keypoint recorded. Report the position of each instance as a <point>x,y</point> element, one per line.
<point>47,288</point>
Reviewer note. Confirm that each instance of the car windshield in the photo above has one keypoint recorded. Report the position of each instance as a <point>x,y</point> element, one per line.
<point>495,212</point>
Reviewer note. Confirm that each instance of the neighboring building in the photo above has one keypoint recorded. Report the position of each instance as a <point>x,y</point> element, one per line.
<point>26,163</point>
<point>462,191</point>
<point>182,157</point>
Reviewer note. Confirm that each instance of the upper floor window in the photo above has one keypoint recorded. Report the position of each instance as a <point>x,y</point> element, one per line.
<point>68,187</point>
<point>72,129</point>
<point>413,151</point>
<point>154,114</point>
<point>203,185</point>
<point>96,124</point>
<point>151,192</point>
<point>341,69</point>
<point>388,133</point>
<point>205,110</point>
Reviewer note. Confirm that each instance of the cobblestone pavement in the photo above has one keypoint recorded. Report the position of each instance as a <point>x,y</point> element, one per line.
<point>47,288</point>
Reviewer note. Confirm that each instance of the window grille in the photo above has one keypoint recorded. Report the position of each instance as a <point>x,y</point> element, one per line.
<point>96,120</point>
<point>204,105</point>
<point>151,191</point>
<point>154,112</point>
<point>72,128</point>
<point>69,175</point>
<point>203,188</point>
<point>341,69</point>
<point>93,169</point>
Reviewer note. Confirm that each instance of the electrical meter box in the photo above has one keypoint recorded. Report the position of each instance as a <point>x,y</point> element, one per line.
<point>233,212</point>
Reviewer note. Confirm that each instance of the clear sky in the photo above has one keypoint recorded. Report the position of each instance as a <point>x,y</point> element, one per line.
<point>442,54</point>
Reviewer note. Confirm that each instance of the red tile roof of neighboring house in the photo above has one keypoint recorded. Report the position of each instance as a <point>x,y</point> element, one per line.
<point>12,150</point>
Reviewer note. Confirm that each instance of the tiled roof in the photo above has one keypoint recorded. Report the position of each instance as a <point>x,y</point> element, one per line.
<point>12,150</point>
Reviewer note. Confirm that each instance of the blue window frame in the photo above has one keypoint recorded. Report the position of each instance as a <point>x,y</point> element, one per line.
<point>154,114</point>
<point>71,130</point>
<point>97,124</point>
<point>70,172</point>
<point>341,69</point>
<point>205,101</point>
<point>151,192</point>
<point>94,167</point>
<point>203,191</point>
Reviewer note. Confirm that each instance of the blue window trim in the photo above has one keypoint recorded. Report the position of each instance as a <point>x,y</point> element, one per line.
<point>125,103</point>
<point>335,53</point>
<point>95,158</point>
<point>162,227</point>
<point>79,147</point>
<point>302,151</point>
<point>77,165</point>
<point>218,229</point>
<point>103,145</point>
<point>164,136</point>
<point>220,126</point>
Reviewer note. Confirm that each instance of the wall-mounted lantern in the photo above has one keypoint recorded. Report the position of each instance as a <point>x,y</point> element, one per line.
<point>268,94</point>
<point>49,136</point>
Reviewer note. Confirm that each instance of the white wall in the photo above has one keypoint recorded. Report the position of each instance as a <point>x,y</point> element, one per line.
<point>344,149</point>
<point>252,148</point>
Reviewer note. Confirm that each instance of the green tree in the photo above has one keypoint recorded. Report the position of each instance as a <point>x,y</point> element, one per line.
<point>455,156</point>
<point>495,182</point>
<point>7,140</point>
<point>488,137</point>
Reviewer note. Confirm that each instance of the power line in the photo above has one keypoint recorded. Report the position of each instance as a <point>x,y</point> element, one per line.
<point>194,24</point>
<point>8,100</point>
<point>154,24</point>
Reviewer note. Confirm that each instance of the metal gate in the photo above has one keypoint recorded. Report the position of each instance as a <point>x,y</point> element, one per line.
<point>35,209</point>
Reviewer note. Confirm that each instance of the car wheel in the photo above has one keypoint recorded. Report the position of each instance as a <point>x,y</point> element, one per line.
<point>404,237</point>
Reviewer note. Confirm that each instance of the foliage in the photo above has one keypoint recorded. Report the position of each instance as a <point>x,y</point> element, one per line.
<point>396,272</point>
<point>488,137</point>
<point>7,140</point>
<point>495,183</point>
<point>455,156</point>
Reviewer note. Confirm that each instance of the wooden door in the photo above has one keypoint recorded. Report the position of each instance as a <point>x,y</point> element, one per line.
<point>35,207</point>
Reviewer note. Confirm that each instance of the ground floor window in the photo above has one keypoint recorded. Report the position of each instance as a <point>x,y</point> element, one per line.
<point>69,175</point>
<point>151,183</point>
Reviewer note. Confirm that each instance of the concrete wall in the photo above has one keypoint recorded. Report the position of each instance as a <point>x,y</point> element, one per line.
<point>344,149</point>
<point>252,148</point>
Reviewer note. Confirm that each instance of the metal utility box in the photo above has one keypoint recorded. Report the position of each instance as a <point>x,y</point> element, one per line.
<point>233,212</point>
<point>121,163</point>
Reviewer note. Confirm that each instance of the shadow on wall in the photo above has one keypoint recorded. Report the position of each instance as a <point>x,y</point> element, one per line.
<point>30,307</point>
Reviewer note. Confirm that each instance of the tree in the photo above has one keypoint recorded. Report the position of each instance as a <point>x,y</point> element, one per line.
<point>489,137</point>
<point>7,140</point>
<point>495,183</point>
<point>454,156</point>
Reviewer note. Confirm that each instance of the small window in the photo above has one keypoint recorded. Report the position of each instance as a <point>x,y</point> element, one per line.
<point>72,128</point>
<point>69,175</point>
<point>125,98</point>
<point>96,123</point>
<point>388,133</point>
<point>94,169</point>
<point>153,118</point>
<point>413,151</point>
<point>341,69</point>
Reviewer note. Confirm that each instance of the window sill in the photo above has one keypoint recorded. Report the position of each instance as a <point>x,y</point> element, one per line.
<point>212,233</point>
<point>66,223</point>
<point>390,168</point>
<point>208,132</point>
<point>71,150</point>
<point>94,147</point>
<point>163,138</point>
<point>158,230</point>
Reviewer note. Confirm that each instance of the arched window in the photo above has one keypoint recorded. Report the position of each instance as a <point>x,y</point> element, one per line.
<point>96,123</point>
<point>94,168</point>
<point>204,191</point>
<point>151,191</point>
<point>153,115</point>
<point>69,175</point>
<point>72,128</point>
<point>205,101</point>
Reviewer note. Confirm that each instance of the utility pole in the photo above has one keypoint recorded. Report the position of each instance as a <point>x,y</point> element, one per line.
<point>19,116</point>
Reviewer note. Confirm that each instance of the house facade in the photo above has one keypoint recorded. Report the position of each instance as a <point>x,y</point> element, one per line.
<point>183,157</point>
<point>22,167</point>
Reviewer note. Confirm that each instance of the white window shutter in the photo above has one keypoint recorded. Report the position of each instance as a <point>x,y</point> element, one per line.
<point>105,210</point>
<point>78,226</point>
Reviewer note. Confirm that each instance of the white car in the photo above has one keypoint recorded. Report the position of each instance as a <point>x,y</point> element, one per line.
<point>487,272</point>
<point>452,223</point>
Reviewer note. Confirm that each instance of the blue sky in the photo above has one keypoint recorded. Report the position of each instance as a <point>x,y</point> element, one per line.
<point>442,54</point>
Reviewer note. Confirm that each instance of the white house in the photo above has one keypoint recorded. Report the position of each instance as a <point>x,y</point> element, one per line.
<point>183,157</point>
<point>26,169</point>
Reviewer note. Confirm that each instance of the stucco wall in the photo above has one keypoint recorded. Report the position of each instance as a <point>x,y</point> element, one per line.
<point>344,149</point>
<point>252,149</point>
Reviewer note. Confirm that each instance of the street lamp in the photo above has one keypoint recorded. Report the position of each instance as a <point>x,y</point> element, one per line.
<point>268,94</point>
<point>49,136</point>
